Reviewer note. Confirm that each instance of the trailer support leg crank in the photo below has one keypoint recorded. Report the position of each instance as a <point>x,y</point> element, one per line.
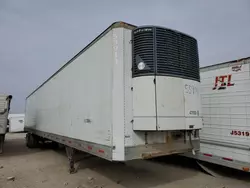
<point>71,157</point>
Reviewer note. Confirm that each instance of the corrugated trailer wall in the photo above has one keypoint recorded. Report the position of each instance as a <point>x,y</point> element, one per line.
<point>226,110</point>
<point>4,111</point>
<point>3,118</point>
<point>225,94</point>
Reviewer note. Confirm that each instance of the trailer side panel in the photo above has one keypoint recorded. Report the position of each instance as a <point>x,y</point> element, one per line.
<point>226,111</point>
<point>77,102</point>
<point>225,94</point>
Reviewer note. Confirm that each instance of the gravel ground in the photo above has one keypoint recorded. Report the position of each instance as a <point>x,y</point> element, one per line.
<point>21,167</point>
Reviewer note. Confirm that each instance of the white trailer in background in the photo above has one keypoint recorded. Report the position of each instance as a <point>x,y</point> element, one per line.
<point>132,93</point>
<point>16,123</point>
<point>225,94</point>
<point>4,111</point>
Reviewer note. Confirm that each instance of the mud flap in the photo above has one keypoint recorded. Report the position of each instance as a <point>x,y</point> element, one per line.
<point>208,170</point>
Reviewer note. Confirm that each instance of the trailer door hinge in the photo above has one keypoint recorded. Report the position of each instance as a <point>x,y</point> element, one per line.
<point>154,81</point>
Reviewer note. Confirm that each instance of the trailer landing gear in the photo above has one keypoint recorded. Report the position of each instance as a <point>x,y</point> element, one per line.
<point>71,157</point>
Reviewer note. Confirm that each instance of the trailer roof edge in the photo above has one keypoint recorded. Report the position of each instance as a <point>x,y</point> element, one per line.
<point>114,25</point>
<point>224,64</point>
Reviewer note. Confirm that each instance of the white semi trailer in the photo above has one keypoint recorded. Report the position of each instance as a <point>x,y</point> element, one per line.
<point>132,93</point>
<point>16,123</point>
<point>4,111</point>
<point>225,94</point>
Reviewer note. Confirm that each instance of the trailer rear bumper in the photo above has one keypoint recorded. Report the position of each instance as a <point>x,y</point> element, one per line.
<point>156,150</point>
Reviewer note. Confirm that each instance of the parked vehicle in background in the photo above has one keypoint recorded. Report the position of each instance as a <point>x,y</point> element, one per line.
<point>225,94</point>
<point>16,123</point>
<point>4,111</point>
<point>132,93</point>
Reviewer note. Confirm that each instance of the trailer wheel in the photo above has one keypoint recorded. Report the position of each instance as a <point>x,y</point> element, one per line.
<point>2,137</point>
<point>31,141</point>
<point>55,145</point>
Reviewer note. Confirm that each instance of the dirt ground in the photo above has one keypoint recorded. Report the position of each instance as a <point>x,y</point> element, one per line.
<point>40,168</point>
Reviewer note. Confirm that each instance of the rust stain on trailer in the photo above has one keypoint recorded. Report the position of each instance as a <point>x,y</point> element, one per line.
<point>150,155</point>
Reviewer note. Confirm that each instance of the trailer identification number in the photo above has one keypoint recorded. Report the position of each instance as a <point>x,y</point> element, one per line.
<point>190,89</point>
<point>194,112</point>
<point>240,133</point>
<point>115,47</point>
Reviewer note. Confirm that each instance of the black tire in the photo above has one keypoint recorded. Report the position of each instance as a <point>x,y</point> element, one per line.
<point>1,143</point>
<point>31,141</point>
<point>61,146</point>
<point>3,138</point>
<point>54,145</point>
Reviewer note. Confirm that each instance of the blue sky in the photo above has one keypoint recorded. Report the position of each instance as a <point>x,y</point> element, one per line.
<point>39,36</point>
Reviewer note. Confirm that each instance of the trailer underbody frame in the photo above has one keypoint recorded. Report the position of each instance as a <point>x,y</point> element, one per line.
<point>132,152</point>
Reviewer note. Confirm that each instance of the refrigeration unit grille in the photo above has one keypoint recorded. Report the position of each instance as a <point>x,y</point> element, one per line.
<point>143,48</point>
<point>161,51</point>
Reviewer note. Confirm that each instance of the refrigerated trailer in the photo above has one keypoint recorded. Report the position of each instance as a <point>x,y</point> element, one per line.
<point>4,111</point>
<point>225,95</point>
<point>132,93</point>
